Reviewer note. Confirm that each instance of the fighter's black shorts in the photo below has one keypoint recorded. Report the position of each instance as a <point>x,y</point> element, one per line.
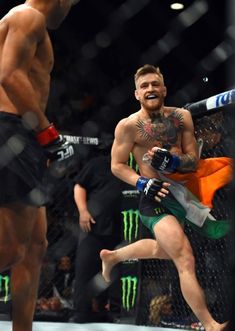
<point>22,163</point>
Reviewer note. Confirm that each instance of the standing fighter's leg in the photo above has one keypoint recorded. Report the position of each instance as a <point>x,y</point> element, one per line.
<point>16,224</point>
<point>25,275</point>
<point>173,240</point>
<point>141,249</point>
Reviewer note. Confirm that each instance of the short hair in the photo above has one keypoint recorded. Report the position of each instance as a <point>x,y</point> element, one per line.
<point>148,69</point>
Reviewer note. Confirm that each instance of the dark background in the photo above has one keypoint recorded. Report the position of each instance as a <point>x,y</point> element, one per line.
<point>101,44</point>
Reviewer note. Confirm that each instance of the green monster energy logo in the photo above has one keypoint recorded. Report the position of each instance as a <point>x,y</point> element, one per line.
<point>132,164</point>
<point>129,292</point>
<point>5,287</point>
<point>159,210</point>
<point>130,224</point>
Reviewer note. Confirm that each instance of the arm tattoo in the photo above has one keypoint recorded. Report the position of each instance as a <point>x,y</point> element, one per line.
<point>188,163</point>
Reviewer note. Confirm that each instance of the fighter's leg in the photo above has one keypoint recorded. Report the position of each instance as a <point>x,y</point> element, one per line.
<point>173,240</point>
<point>25,276</point>
<point>141,249</point>
<point>16,225</point>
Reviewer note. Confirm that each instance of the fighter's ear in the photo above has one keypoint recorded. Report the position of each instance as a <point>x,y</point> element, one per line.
<point>165,91</point>
<point>136,95</point>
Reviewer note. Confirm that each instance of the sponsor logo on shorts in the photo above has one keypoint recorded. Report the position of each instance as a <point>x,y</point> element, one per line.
<point>130,193</point>
<point>129,292</point>
<point>82,140</point>
<point>4,288</point>
<point>159,210</point>
<point>130,224</point>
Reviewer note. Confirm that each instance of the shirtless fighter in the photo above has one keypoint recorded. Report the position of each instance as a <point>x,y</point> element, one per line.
<point>163,136</point>
<point>27,142</point>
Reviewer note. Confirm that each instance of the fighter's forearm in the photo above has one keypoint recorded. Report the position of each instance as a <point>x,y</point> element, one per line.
<point>125,173</point>
<point>25,99</point>
<point>188,163</point>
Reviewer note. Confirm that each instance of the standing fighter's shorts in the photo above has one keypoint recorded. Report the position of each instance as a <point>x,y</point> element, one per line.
<point>152,211</point>
<point>22,163</point>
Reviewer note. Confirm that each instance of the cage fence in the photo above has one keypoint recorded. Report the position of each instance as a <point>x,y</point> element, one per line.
<point>149,289</point>
<point>159,279</point>
<point>144,282</point>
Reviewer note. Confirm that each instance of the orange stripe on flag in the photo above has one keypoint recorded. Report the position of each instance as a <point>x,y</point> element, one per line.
<point>211,175</point>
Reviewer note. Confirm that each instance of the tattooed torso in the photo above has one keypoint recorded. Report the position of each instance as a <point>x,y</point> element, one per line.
<point>159,130</point>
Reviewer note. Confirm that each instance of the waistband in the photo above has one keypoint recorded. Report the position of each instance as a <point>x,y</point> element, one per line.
<point>5,114</point>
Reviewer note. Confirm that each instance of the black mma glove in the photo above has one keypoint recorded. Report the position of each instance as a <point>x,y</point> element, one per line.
<point>150,186</point>
<point>56,147</point>
<point>164,160</point>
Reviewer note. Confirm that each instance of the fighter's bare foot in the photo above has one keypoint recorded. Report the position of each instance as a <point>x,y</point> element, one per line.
<point>108,262</point>
<point>217,327</point>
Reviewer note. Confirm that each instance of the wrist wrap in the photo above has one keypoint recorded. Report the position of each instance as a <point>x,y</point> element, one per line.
<point>175,162</point>
<point>47,135</point>
<point>141,183</point>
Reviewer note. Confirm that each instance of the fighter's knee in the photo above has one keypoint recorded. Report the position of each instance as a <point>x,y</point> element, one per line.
<point>155,250</point>
<point>15,255</point>
<point>186,262</point>
<point>189,262</point>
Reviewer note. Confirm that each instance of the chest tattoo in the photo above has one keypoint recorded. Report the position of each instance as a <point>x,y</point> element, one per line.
<point>162,129</point>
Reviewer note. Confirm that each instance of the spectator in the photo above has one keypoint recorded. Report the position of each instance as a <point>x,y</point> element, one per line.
<point>160,310</point>
<point>63,282</point>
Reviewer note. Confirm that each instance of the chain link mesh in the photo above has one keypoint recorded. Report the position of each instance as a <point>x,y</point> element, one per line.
<point>159,279</point>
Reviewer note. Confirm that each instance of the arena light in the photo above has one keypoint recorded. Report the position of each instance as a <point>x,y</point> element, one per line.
<point>177,5</point>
